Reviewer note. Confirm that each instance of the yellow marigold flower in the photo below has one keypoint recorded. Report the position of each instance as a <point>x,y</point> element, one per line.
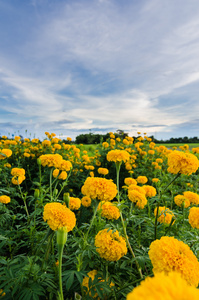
<point>194,217</point>
<point>192,197</point>
<point>164,287</point>
<point>128,166</point>
<point>129,181</point>
<point>142,179</point>
<point>105,145</point>
<point>101,188</point>
<point>26,154</point>
<point>103,171</point>
<point>181,200</point>
<point>109,210</point>
<point>86,201</point>
<point>57,146</point>
<point>165,214</point>
<point>63,175</point>
<point>46,143</point>
<point>6,153</point>
<point>125,142</point>
<point>139,189</point>
<point>74,203</point>
<point>155,179</point>
<point>168,254</point>
<point>51,160</point>
<point>184,163</point>
<point>137,198</point>
<point>35,141</point>
<point>18,179</point>
<point>69,139</point>
<point>4,199</point>
<point>149,190</point>
<point>159,160</point>
<point>7,165</point>
<point>65,165</point>
<point>87,167</point>
<point>110,245</point>
<point>58,216</point>
<point>151,152</point>
<point>55,173</point>
<point>112,142</point>
<point>18,172</point>
<point>118,156</point>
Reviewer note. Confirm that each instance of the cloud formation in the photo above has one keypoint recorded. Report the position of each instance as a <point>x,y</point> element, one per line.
<point>73,66</point>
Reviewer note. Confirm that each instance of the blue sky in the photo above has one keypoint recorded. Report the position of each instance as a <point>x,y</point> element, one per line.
<point>81,66</point>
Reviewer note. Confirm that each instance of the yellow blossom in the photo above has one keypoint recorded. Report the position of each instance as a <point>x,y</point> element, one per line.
<point>59,216</point>
<point>168,254</point>
<point>164,287</point>
<point>101,188</point>
<point>194,217</point>
<point>110,245</point>
<point>109,210</point>
<point>4,199</point>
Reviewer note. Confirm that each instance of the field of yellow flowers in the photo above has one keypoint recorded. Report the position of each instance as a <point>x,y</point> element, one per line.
<point>122,223</point>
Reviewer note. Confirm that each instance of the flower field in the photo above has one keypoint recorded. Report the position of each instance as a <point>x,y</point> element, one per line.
<point>119,223</point>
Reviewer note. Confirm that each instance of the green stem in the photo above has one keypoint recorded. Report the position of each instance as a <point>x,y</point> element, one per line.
<point>156,221</point>
<point>24,200</point>
<point>60,251</point>
<point>118,165</point>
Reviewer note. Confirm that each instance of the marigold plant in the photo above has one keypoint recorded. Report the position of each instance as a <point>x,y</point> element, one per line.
<point>194,217</point>
<point>165,215</point>
<point>164,287</point>
<point>192,197</point>
<point>181,200</point>
<point>118,156</point>
<point>110,245</point>
<point>4,199</point>
<point>59,216</point>
<point>183,163</point>
<point>168,254</point>
<point>109,210</point>
<point>74,203</point>
<point>100,188</point>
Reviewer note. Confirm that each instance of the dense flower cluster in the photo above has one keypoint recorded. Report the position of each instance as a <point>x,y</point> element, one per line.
<point>100,188</point>
<point>118,155</point>
<point>165,215</point>
<point>194,217</point>
<point>162,286</point>
<point>184,163</point>
<point>58,216</point>
<point>181,200</point>
<point>4,199</point>
<point>109,210</point>
<point>110,245</point>
<point>86,201</point>
<point>6,153</point>
<point>74,203</point>
<point>192,197</point>
<point>168,254</point>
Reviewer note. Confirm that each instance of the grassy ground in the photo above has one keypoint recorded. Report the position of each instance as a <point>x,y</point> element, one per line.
<point>191,145</point>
